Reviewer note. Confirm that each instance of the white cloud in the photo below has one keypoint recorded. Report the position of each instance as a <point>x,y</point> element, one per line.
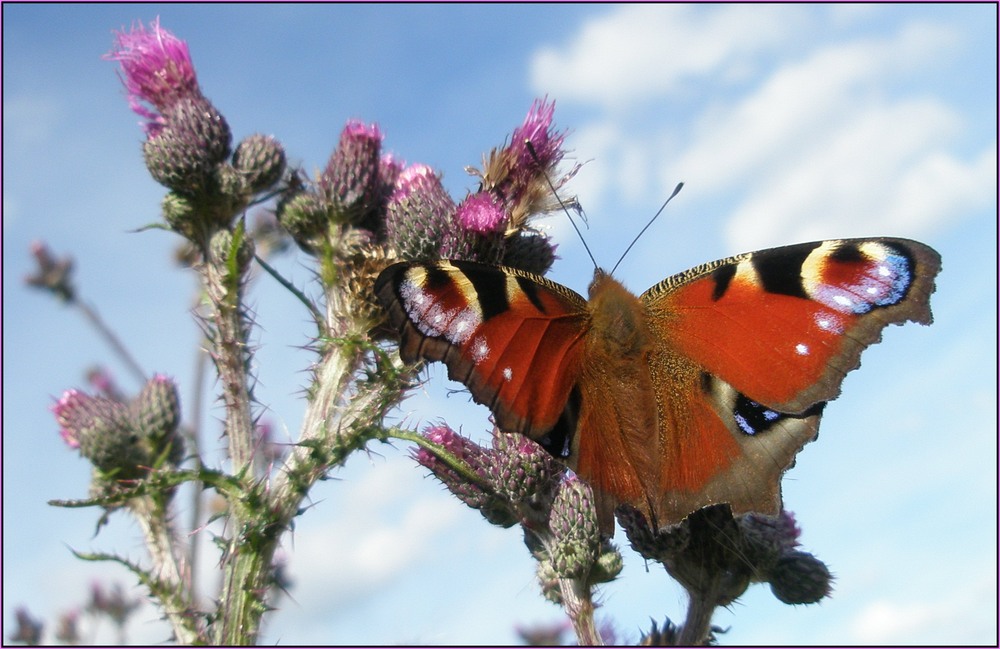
<point>640,51</point>
<point>374,537</point>
<point>883,170</point>
<point>961,614</point>
<point>829,144</point>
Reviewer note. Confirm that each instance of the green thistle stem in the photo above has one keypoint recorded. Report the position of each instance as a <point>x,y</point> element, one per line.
<point>579,607</point>
<point>151,514</point>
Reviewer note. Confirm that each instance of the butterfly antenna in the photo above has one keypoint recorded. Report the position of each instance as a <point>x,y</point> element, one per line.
<point>534,156</point>
<point>677,189</point>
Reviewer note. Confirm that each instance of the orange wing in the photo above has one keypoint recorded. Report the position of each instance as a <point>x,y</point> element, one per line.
<point>513,338</point>
<point>750,348</point>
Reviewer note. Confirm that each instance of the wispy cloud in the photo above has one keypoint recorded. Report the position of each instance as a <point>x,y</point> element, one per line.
<point>829,143</point>
<point>668,46</point>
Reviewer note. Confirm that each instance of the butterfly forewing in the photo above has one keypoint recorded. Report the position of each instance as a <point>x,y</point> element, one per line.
<point>784,326</point>
<point>513,338</point>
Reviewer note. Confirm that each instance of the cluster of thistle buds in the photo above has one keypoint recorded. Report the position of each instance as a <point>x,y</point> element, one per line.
<point>517,482</point>
<point>407,212</point>
<point>368,209</point>
<point>717,555</point>
<point>364,210</point>
<point>124,441</point>
<point>188,146</point>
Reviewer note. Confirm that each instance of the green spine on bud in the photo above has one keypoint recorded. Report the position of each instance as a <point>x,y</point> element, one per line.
<point>261,161</point>
<point>608,566</point>
<point>183,154</point>
<point>548,581</point>
<point>180,214</point>
<point>531,252</point>
<point>231,183</point>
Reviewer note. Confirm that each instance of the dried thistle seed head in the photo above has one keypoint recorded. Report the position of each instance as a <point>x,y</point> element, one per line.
<point>357,278</point>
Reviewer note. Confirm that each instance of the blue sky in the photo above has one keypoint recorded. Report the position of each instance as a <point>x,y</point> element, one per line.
<point>786,122</point>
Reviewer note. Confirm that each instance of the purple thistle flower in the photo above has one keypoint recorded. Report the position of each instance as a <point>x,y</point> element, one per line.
<point>537,129</point>
<point>481,213</point>
<point>156,69</point>
<point>69,410</point>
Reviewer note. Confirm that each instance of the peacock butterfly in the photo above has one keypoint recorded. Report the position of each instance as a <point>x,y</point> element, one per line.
<point>700,391</point>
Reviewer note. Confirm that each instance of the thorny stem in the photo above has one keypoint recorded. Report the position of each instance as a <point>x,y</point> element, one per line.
<point>151,515</point>
<point>231,357</point>
<point>246,559</point>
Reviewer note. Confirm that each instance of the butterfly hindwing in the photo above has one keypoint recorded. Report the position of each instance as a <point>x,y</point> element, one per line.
<point>513,338</point>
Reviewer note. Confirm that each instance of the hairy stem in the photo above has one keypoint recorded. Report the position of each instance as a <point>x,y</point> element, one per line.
<point>151,514</point>
<point>579,607</point>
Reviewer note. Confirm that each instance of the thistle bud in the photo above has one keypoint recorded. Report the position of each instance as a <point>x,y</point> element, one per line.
<point>534,253</point>
<point>261,161</point>
<point>156,413</point>
<point>523,472</point>
<point>103,431</point>
<point>221,250</point>
<point>573,522</point>
<point>193,140</point>
<point>418,214</point>
<point>350,180</point>
<point>800,578</point>
<point>477,232</point>
<point>305,217</point>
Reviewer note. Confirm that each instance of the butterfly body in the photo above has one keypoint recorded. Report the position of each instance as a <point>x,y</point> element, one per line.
<point>699,391</point>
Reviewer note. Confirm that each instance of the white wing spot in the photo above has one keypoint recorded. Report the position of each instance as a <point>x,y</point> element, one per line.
<point>480,350</point>
<point>802,349</point>
<point>508,374</point>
